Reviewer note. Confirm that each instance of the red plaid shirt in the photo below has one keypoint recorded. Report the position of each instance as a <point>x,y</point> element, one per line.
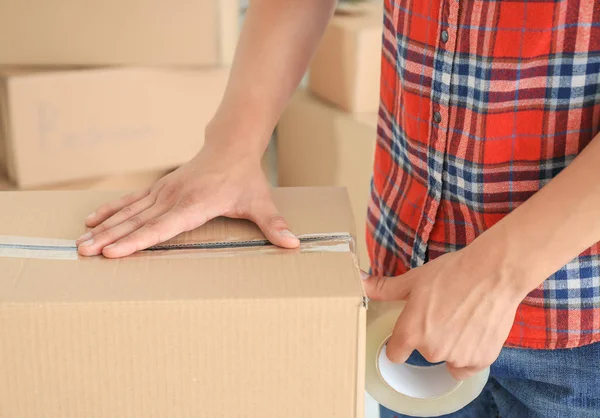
<point>482,103</point>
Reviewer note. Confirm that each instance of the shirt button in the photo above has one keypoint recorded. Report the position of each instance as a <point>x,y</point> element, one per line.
<point>444,36</point>
<point>437,117</point>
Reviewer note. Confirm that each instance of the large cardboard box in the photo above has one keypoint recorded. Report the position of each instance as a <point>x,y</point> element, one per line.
<point>71,125</point>
<point>132,32</point>
<point>345,70</point>
<point>215,324</point>
<point>319,145</point>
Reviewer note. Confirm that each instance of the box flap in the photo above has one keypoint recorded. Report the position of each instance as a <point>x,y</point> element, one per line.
<point>258,272</point>
<point>60,214</point>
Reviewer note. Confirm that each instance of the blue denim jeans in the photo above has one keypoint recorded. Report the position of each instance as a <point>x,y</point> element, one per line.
<point>535,383</point>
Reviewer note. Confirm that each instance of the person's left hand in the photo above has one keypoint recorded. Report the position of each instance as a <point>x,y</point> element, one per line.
<point>460,309</point>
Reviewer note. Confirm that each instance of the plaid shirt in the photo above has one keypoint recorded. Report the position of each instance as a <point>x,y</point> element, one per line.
<point>482,103</point>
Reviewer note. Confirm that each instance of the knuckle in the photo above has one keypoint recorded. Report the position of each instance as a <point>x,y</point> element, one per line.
<point>482,363</point>
<point>126,212</point>
<point>478,366</point>
<point>188,200</point>
<point>153,230</point>
<point>99,229</point>
<point>104,211</point>
<point>129,197</point>
<point>458,363</point>
<point>103,237</point>
<point>167,193</point>
<point>410,339</point>
<point>277,221</point>
<point>398,352</point>
<point>239,210</point>
<point>135,222</point>
<point>433,355</point>
<point>153,224</point>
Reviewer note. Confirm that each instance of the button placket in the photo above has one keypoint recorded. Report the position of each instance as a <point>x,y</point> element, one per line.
<point>440,103</point>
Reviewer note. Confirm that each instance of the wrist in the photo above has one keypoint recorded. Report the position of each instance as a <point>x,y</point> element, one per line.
<point>513,273</point>
<point>230,137</point>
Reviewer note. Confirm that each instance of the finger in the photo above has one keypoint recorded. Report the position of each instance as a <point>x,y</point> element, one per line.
<point>274,226</point>
<point>154,232</point>
<point>387,288</point>
<point>402,342</point>
<point>462,373</point>
<point>121,216</point>
<point>95,245</point>
<point>106,211</point>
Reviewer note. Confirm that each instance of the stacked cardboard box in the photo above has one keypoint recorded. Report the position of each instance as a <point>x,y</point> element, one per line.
<point>345,68</point>
<point>319,145</point>
<point>90,89</point>
<point>327,134</point>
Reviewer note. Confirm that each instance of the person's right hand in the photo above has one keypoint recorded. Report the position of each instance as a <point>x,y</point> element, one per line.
<point>219,181</point>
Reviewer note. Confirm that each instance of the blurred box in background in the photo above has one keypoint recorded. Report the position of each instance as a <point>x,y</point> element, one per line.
<point>132,32</point>
<point>71,125</point>
<point>319,145</point>
<point>131,181</point>
<point>345,69</point>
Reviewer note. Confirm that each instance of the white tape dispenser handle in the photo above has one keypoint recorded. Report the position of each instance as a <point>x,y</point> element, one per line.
<point>418,391</point>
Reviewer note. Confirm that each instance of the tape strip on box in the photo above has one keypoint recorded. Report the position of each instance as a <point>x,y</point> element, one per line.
<point>63,249</point>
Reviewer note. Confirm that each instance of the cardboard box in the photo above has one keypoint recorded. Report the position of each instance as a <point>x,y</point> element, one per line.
<point>345,70</point>
<point>252,331</point>
<point>129,181</point>
<point>319,145</point>
<point>71,125</point>
<point>114,32</point>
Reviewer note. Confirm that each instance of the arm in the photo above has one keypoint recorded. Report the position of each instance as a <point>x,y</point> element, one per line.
<point>277,41</point>
<point>225,178</point>
<point>552,227</point>
<point>467,321</point>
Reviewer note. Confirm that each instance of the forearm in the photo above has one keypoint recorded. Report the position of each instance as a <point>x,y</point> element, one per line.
<point>552,227</point>
<point>276,43</point>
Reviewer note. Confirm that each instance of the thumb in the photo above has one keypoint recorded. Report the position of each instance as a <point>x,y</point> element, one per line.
<point>387,289</point>
<point>275,228</point>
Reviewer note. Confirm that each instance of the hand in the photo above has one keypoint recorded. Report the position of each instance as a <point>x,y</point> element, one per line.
<point>460,309</point>
<point>217,182</point>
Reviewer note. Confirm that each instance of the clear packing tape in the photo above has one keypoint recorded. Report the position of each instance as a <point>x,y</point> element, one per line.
<point>64,249</point>
<point>406,389</point>
<point>419,391</point>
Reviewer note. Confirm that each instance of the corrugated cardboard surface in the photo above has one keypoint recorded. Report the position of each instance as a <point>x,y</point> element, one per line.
<point>134,32</point>
<point>72,125</point>
<point>244,335</point>
<point>319,145</point>
<point>346,68</point>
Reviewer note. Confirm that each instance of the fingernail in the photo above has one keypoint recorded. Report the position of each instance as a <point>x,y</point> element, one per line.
<point>87,243</point>
<point>108,247</point>
<point>91,216</point>
<point>287,234</point>
<point>85,237</point>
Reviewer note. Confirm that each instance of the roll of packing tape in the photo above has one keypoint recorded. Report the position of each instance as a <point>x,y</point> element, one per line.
<point>419,391</point>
